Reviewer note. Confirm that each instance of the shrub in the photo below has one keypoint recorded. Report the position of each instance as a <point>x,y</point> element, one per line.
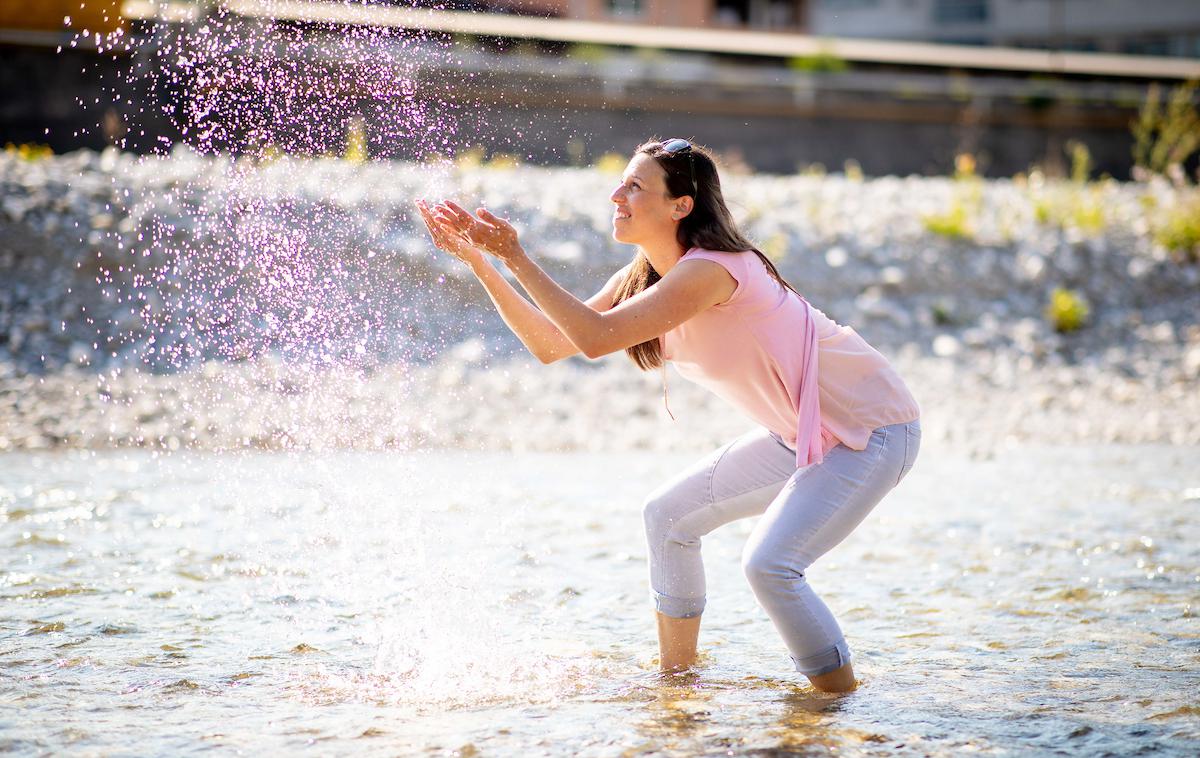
<point>956,222</point>
<point>1081,161</point>
<point>852,170</point>
<point>1166,136</point>
<point>28,151</point>
<point>356,141</point>
<point>503,162</point>
<point>1178,229</point>
<point>823,62</point>
<point>964,167</point>
<point>589,52</point>
<point>1067,310</point>
<point>775,247</point>
<point>611,163</point>
<point>953,223</point>
<point>470,158</point>
<point>1077,204</point>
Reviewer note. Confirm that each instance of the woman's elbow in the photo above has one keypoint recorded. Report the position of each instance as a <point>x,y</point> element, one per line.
<point>552,355</point>
<point>597,350</point>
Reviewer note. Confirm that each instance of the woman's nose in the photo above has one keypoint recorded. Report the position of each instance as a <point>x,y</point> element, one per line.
<point>618,194</point>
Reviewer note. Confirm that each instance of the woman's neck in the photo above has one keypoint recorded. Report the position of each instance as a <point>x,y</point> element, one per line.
<point>663,254</point>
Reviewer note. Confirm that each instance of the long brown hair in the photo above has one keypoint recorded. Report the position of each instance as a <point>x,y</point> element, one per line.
<point>710,225</point>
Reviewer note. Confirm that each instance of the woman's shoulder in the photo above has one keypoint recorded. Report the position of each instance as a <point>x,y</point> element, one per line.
<point>702,251</point>
<point>726,258</point>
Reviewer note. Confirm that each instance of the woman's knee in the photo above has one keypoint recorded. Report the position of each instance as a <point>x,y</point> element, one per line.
<point>670,517</point>
<point>656,514</point>
<point>765,569</point>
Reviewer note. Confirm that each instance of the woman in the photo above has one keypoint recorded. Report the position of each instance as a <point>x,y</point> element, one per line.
<point>839,428</point>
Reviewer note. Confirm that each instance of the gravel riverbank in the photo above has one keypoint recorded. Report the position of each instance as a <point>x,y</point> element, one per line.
<point>191,301</point>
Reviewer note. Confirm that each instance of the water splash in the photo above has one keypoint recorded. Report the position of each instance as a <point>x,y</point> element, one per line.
<point>231,247</point>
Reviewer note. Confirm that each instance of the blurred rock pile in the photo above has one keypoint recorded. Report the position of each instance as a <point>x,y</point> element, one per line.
<point>190,301</point>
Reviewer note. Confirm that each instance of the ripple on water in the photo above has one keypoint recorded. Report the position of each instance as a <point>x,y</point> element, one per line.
<point>369,608</point>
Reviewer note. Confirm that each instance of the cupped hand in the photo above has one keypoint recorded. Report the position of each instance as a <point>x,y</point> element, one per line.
<point>448,238</point>
<point>487,231</point>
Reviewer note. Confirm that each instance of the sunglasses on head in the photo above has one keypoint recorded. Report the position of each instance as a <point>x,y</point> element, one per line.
<point>677,145</point>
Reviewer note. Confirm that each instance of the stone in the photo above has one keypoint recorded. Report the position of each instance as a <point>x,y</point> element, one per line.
<point>946,346</point>
<point>836,257</point>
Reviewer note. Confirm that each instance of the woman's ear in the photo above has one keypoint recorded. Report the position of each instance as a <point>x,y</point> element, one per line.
<point>683,206</point>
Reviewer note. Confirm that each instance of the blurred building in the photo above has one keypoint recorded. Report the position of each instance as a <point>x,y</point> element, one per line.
<point>1141,27</point>
<point>784,15</point>
<point>1144,27</point>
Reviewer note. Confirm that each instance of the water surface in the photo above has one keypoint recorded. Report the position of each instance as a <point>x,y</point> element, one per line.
<point>384,603</point>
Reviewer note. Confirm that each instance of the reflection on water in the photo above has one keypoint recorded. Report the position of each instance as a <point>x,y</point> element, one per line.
<point>486,603</point>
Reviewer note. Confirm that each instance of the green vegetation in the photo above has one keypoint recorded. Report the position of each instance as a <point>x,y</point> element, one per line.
<point>1165,136</point>
<point>1071,207</point>
<point>611,163</point>
<point>1067,310</point>
<point>356,141</point>
<point>953,223</point>
<point>958,220</point>
<point>503,162</point>
<point>943,314</point>
<point>28,151</point>
<point>470,158</point>
<point>775,247</point>
<point>476,157</point>
<point>1081,161</point>
<point>589,52</point>
<point>1077,204</point>
<point>823,62</point>
<point>1178,228</point>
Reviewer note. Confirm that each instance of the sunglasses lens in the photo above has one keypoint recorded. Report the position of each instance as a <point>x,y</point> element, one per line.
<point>675,145</point>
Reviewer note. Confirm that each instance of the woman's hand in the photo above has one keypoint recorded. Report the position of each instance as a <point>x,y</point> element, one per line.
<point>488,232</point>
<point>446,237</point>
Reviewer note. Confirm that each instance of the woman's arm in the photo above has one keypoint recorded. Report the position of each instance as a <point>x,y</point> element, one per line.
<point>536,332</point>
<point>687,289</point>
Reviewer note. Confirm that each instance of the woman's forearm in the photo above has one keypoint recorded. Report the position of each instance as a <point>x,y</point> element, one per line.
<point>531,326</point>
<point>573,318</point>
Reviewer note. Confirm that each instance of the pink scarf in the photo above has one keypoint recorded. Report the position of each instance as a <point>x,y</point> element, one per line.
<point>809,443</point>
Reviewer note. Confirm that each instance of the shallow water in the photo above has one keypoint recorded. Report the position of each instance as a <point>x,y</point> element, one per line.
<point>383,603</point>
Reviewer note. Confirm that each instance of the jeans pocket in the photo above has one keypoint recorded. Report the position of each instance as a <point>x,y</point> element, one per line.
<point>912,444</point>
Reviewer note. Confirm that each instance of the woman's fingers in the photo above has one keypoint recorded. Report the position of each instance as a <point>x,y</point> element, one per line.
<point>488,218</point>
<point>456,213</point>
<point>430,224</point>
<point>459,228</point>
<point>452,220</point>
<point>445,236</point>
<point>459,212</point>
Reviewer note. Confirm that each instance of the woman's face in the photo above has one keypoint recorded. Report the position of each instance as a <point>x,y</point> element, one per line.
<point>643,210</point>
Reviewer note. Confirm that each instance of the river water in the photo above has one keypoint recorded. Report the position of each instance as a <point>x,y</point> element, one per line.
<point>485,603</point>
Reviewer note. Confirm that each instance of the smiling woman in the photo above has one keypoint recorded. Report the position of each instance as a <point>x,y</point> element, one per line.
<point>839,429</point>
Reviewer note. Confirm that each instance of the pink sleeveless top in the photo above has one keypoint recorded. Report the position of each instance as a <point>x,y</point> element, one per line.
<point>786,364</point>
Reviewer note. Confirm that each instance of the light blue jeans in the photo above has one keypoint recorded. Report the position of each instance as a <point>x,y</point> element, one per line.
<point>805,512</point>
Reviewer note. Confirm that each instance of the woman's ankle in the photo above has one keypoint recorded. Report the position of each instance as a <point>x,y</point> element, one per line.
<point>838,680</point>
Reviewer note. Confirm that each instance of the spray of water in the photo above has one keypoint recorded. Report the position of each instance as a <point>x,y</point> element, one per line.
<point>251,261</point>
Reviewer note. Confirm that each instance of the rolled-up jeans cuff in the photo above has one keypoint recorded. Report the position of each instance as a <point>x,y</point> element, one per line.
<point>678,607</point>
<point>825,661</point>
